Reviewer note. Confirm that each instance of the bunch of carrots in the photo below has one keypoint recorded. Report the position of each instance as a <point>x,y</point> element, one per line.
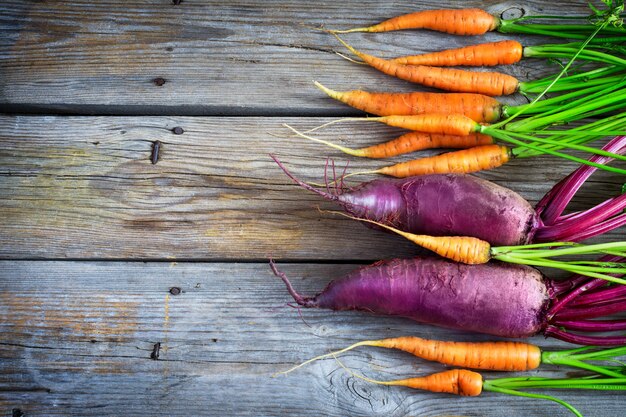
<point>588,91</point>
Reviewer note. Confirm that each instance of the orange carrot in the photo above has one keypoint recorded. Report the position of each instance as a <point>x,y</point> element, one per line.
<point>484,54</point>
<point>409,142</point>
<point>460,162</point>
<point>488,83</point>
<point>455,381</point>
<point>444,124</point>
<point>478,107</point>
<point>457,22</point>
<point>464,249</point>
<point>493,356</point>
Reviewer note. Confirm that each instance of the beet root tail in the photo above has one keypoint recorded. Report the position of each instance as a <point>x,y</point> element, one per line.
<point>301,183</point>
<point>307,302</point>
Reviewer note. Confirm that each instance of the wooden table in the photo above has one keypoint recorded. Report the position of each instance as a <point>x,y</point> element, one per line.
<point>138,288</point>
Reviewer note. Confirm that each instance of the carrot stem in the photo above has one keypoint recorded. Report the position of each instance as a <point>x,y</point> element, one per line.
<point>492,386</point>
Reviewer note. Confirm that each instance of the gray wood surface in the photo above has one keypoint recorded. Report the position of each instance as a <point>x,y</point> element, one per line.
<point>217,58</point>
<point>76,187</point>
<point>77,340</point>
<point>80,198</point>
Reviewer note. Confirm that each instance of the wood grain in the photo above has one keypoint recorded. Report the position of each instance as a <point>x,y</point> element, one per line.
<point>77,339</point>
<point>75,187</point>
<point>214,57</point>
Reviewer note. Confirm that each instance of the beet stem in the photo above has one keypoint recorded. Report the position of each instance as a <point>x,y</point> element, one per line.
<point>617,306</point>
<point>553,204</point>
<point>579,339</point>
<point>592,325</point>
<point>603,295</point>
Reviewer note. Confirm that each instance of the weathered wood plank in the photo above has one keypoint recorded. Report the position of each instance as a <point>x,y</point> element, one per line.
<point>77,339</point>
<point>215,57</point>
<point>76,187</point>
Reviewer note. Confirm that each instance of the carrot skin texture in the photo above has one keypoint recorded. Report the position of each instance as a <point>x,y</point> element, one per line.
<point>417,141</point>
<point>488,83</point>
<point>498,299</point>
<point>456,22</point>
<point>455,381</point>
<point>465,249</point>
<point>478,107</point>
<point>459,162</point>
<point>443,124</point>
<point>494,356</point>
<point>484,54</point>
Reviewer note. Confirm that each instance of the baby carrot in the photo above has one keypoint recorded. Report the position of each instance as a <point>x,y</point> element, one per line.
<point>457,22</point>
<point>445,124</point>
<point>493,356</point>
<point>484,54</point>
<point>478,107</point>
<point>455,381</point>
<point>409,142</point>
<point>488,83</point>
<point>458,162</point>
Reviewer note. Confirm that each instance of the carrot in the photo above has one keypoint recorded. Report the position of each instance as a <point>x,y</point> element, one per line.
<point>493,356</point>
<point>467,383</point>
<point>484,54</point>
<point>455,381</point>
<point>478,107</point>
<point>474,251</point>
<point>457,22</point>
<point>488,83</point>
<point>445,124</point>
<point>461,162</point>
<point>409,142</point>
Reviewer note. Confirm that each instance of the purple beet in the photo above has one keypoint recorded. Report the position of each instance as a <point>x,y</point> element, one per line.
<point>463,205</point>
<point>495,298</point>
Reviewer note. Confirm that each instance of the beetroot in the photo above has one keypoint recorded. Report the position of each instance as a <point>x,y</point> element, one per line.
<point>495,298</point>
<point>463,205</point>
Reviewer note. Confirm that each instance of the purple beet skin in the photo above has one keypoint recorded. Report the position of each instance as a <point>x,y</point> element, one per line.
<point>445,205</point>
<point>499,299</point>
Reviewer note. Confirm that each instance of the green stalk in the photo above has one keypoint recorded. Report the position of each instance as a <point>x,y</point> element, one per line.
<point>599,126</point>
<point>598,76</point>
<point>492,386</point>
<point>573,110</point>
<point>557,51</point>
<point>550,104</point>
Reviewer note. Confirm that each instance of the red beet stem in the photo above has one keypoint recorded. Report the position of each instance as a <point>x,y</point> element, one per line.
<point>558,305</point>
<point>581,223</point>
<point>554,331</point>
<point>597,229</point>
<point>592,325</point>
<point>603,295</point>
<point>554,203</point>
<point>301,300</point>
<point>579,284</point>
<point>617,306</point>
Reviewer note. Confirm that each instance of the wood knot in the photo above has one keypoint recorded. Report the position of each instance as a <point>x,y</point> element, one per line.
<point>158,81</point>
<point>156,350</point>
<point>514,12</point>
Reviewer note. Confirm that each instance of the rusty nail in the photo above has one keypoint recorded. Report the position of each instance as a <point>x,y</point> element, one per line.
<point>156,148</point>
<point>176,2</point>
<point>158,81</point>
<point>178,130</point>
<point>155,351</point>
<point>175,290</point>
